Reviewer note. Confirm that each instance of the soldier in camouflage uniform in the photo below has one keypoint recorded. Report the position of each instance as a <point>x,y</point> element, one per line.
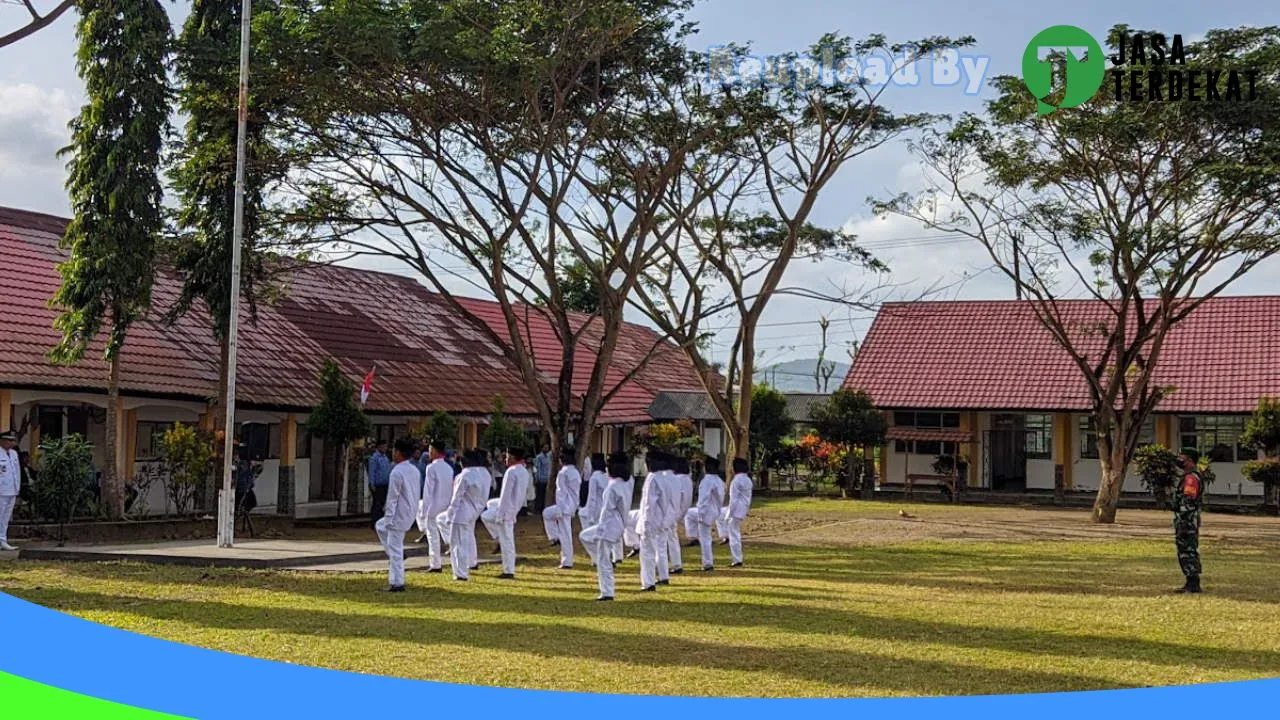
<point>1187,502</point>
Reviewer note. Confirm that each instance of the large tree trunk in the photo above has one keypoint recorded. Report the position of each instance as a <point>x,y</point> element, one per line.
<point>1104,508</point>
<point>112,493</point>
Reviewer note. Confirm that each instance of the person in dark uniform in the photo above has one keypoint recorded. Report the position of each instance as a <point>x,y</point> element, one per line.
<point>379,479</point>
<point>1188,500</point>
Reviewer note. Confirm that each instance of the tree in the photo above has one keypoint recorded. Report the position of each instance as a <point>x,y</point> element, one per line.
<point>1262,433</point>
<point>502,434</point>
<point>1146,208</point>
<point>203,175</point>
<point>769,425</point>
<point>442,429</point>
<point>849,418</point>
<point>62,489</point>
<point>115,193</point>
<point>753,194</point>
<point>338,420</point>
<point>37,22</point>
<point>581,289</point>
<point>188,455</point>
<point>514,138</point>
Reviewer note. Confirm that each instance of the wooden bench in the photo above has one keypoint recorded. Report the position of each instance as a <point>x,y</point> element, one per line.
<point>950,482</point>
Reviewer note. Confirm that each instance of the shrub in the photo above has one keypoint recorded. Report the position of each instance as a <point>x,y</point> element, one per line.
<point>62,488</point>
<point>188,457</point>
<point>1265,471</point>
<point>1158,467</point>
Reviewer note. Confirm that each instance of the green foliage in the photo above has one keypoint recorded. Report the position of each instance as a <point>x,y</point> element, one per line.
<point>188,456</point>
<point>679,438</point>
<point>769,423</point>
<point>63,487</point>
<point>1157,467</point>
<point>581,288</point>
<point>1265,471</point>
<point>113,180</point>
<point>502,434</point>
<point>849,418</point>
<point>440,428</point>
<point>1262,432</point>
<point>338,419</point>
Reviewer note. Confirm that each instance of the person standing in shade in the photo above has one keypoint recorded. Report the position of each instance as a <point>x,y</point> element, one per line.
<point>601,537</point>
<point>499,517</point>
<point>739,505</point>
<point>557,519</point>
<point>470,492</point>
<point>400,507</point>
<point>699,519</point>
<point>10,484</point>
<point>379,476</point>
<point>597,480</point>
<point>1187,504</point>
<point>437,489</point>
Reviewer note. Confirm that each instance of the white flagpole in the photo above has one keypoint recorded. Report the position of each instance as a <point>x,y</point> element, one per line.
<point>227,497</point>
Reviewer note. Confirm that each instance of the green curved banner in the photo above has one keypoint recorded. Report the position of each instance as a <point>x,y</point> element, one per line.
<point>27,699</point>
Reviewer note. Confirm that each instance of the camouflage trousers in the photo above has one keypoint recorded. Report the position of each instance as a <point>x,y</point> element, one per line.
<point>1186,536</point>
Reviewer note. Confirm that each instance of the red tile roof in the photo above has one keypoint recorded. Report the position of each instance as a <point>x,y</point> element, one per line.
<point>976,355</point>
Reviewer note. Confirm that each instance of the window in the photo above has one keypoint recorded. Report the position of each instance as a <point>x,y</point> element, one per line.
<point>149,444</point>
<point>260,441</point>
<point>389,433</point>
<point>926,447</point>
<point>303,445</point>
<point>1039,436</point>
<point>1089,436</point>
<point>51,422</point>
<point>930,420</point>
<point>1218,436</point>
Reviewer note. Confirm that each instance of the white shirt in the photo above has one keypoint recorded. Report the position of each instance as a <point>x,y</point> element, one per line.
<point>710,498</point>
<point>470,493</point>
<point>671,510</point>
<point>613,511</point>
<point>649,516</point>
<point>402,497</point>
<point>739,496</point>
<point>515,486</point>
<point>438,487</point>
<point>10,473</point>
<point>685,484</point>
<point>595,496</point>
<point>568,485</point>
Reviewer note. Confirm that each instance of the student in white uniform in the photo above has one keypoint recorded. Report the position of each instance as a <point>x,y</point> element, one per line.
<point>597,480</point>
<point>602,537</point>
<point>398,513</point>
<point>557,519</point>
<point>470,492</point>
<point>10,484</point>
<point>649,521</point>
<point>700,518</point>
<point>683,483</point>
<point>739,504</point>
<point>671,515</point>
<point>437,489</point>
<point>500,517</point>
<point>629,482</point>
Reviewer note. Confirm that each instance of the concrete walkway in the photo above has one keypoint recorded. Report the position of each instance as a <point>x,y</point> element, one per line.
<point>291,554</point>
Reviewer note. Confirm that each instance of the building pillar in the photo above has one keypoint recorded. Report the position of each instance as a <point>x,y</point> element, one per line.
<point>288,464</point>
<point>6,410</point>
<point>1165,431</point>
<point>1062,447</point>
<point>473,434</point>
<point>130,431</point>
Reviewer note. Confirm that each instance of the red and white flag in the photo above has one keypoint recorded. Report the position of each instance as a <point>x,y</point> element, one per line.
<point>367,387</point>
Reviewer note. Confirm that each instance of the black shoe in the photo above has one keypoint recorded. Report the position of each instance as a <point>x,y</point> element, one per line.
<point>435,570</point>
<point>737,564</point>
<point>651,588</point>
<point>566,567</point>
<point>507,576</point>
<point>632,553</point>
<point>664,582</point>
<point>1192,587</point>
<point>677,571</point>
<point>555,543</point>
<point>460,579</point>
<point>724,541</point>
<point>395,588</point>
<point>475,567</point>
<point>691,543</point>
<point>605,598</point>
<point>708,568</point>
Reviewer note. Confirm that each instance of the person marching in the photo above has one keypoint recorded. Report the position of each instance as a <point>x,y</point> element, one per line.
<point>379,476</point>
<point>1187,504</point>
<point>557,519</point>
<point>437,489</point>
<point>401,505</point>
<point>500,517</point>
<point>671,515</point>
<point>739,504</point>
<point>601,537</point>
<point>597,481</point>
<point>683,483</point>
<point>650,533</point>
<point>700,518</point>
<point>470,492</point>
<point>541,476</point>
<point>10,484</point>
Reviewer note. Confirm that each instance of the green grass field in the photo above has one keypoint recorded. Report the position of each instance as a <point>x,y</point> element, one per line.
<point>838,599</point>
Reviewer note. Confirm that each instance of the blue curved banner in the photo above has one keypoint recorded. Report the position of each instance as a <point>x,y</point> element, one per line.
<point>43,649</point>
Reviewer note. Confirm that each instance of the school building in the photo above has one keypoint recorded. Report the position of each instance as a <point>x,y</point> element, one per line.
<point>428,359</point>
<point>984,380</point>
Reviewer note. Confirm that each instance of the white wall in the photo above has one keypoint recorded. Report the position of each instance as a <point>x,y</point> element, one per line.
<point>1040,474</point>
<point>711,441</point>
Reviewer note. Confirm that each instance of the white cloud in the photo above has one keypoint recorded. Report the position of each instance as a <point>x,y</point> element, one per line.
<point>33,127</point>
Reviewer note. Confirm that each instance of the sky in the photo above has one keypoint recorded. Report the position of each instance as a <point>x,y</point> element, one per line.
<point>40,93</point>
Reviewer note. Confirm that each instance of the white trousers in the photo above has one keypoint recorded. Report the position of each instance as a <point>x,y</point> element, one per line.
<point>734,527</point>
<point>650,546</point>
<point>722,524</point>
<point>703,533</point>
<point>435,539</point>
<point>664,554</point>
<point>630,537</point>
<point>462,544</point>
<point>675,556</point>
<point>559,527</point>
<point>692,519</point>
<point>504,532</point>
<point>393,543</point>
<point>604,570</point>
<point>6,514</point>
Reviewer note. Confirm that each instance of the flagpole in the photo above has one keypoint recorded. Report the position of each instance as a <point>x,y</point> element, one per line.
<point>227,497</point>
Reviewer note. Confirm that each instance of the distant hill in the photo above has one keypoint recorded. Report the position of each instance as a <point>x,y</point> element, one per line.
<point>797,375</point>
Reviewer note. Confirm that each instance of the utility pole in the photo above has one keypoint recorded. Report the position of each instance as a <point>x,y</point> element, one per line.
<point>1017,264</point>
<point>227,498</point>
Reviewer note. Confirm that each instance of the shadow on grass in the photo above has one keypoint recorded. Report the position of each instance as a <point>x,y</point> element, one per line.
<point>842,668</point>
